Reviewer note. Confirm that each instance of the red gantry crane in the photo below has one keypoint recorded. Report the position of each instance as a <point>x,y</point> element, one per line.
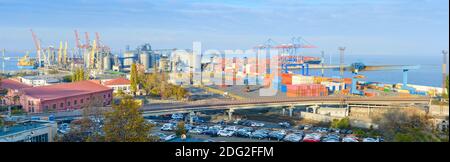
<point>38,47</point>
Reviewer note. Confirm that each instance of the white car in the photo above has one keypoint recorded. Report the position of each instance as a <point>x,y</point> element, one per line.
<point>225,133</point>
<point>167,127</point>
<point>257,124</point>
<point>231,128</point>
<point>177,116</point>
<point>196,131</point>
<point>151,122</point>
<point>370,140</point>
<point>350,139</point>
<point>170,137</point>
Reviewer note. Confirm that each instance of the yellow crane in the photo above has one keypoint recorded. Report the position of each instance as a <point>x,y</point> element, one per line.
<point>65,54</point>
<point>60,52</point>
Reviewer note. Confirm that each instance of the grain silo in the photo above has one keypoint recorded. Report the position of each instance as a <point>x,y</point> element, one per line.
<point>145,59</point>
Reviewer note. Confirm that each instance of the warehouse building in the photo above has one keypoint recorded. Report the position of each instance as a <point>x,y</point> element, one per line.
<point>29,131</point>
<point>65,97</point>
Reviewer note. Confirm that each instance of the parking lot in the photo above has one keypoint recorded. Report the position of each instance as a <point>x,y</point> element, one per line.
<point>249,131</point>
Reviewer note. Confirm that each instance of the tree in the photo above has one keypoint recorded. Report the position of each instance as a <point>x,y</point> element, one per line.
<point>180,129</point>
<point>1,122</point>
<point>125,123</point>
<point>448,89</point>
<point>88,128</point>
<point>133,79</point>
<point>408,125</point>
<point>341,124</point>
<point>78,75</point>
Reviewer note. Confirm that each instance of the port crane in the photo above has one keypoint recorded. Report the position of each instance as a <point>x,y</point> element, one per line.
<point>38,47</point>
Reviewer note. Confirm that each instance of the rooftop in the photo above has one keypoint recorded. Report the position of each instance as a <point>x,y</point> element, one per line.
<point>117,81</point>
<point>19,127</point>
<point>64,90</point>
<point>13,84</point>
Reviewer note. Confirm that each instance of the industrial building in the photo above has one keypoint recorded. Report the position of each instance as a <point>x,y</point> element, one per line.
<point>29,131</point>
<point>65,97</point>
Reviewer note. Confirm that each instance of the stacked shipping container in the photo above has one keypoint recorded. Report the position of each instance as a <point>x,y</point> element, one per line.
<point>306,90</point>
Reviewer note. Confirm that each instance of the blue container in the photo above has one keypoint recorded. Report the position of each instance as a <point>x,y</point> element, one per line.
<point>283,88</point>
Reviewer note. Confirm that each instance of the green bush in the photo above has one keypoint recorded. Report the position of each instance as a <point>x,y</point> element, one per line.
<point>341,124</point>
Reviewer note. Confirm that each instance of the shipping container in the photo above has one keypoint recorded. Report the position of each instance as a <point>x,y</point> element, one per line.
<point>306,90</point>
<point>300,79</point>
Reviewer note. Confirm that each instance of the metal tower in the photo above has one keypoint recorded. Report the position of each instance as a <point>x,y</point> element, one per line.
<point>444,71</point>
<point>341,58</point>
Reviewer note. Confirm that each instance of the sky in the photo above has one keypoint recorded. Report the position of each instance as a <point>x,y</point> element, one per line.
<point>365,27</point>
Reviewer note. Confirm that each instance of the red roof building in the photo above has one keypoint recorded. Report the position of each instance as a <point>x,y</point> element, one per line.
<point>12,87</point>
<point>13,84</point>
<point>65,97</point>
<point>119,84</point>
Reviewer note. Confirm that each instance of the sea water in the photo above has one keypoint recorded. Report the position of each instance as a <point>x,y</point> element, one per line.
<point>429,74</point>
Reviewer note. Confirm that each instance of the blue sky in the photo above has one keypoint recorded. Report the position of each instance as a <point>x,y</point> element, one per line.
<point>382,27</point>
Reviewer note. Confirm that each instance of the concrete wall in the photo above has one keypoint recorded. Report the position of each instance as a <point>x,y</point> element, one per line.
<point>436,110</point>
<point>337,112</point>
<point>325,118</point>
<point>318,117</point>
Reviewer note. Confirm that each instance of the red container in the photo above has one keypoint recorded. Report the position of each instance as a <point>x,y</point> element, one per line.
<point>286,79</point>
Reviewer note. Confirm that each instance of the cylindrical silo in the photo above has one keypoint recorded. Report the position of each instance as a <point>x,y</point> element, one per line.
<point>107,63</point>
<point>145,60</point>
<point>129,58</point>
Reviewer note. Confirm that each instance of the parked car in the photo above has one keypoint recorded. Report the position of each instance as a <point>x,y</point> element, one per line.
<point>345,131</point>
<point>307,127</point>
<point>284,124</point>
<point>292,137</point>
<point>231,128</point>
<point>225,133</point>
<point>203,127</point>
<point>260,134</point>
<point>370,140</point>
<point>196,131</point>
<point>257,124</point>
<point>167,127</point>
<point>150,121</point>
<point>188,127</point>
<point>350,139</point>
<point>177,116</point>
<point>170,137</point>
<point>211,131</point>
<point>312,137</point>
<point>331,138</point>
<point>160,136</point>
<point>277,134</point>
<point>217,126</point>
<point>244,132</point>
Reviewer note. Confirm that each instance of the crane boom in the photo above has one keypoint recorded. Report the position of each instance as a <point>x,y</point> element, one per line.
<point>60,52</point>
<point>65,53</point>
<point>77,39</point>
<point>38,47</point>
<point>97,38</point>
<point>86,34</point>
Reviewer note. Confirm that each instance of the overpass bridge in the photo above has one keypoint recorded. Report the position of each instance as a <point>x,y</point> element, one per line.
<point>356,101</point>
<point>290,103</point>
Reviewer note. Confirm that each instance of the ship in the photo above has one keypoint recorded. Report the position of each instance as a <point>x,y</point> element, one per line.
<point>26,62</point>
<point>312,60</point>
